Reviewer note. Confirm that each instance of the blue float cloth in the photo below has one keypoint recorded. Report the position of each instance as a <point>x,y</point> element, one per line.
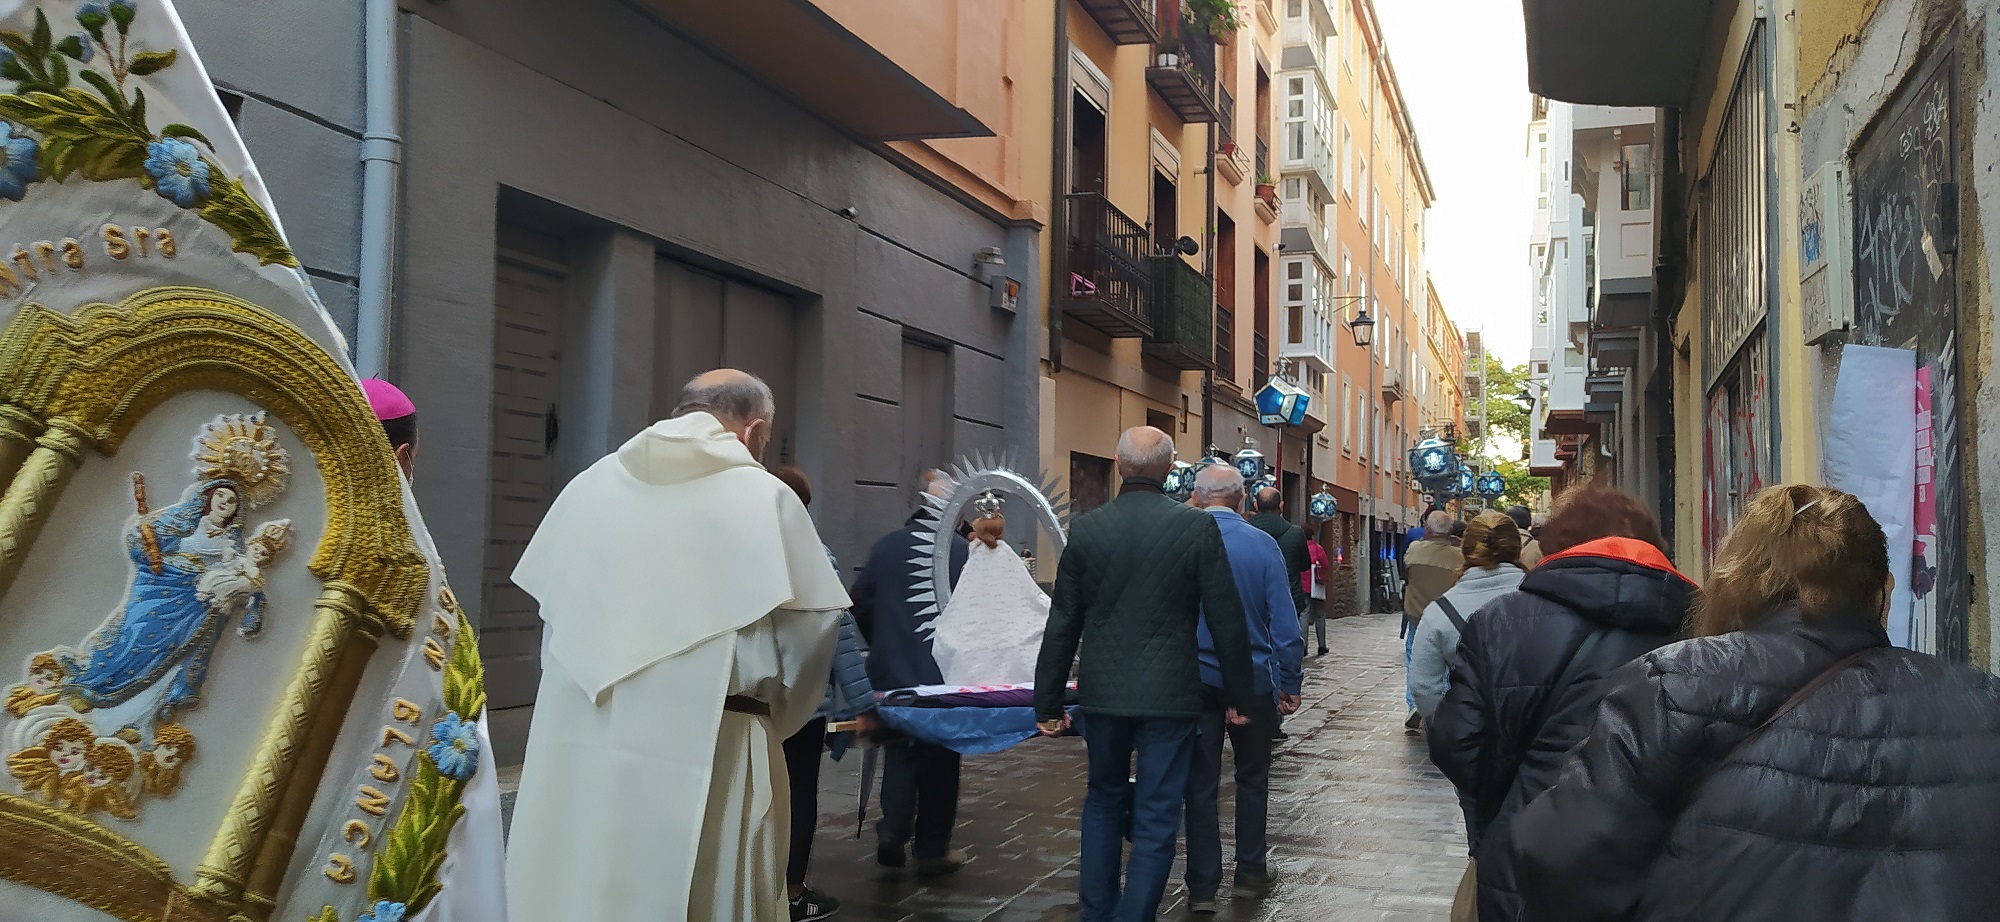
<point>972,731</point>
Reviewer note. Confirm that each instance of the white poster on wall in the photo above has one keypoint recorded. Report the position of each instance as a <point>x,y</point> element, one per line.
<point>1870,450</point>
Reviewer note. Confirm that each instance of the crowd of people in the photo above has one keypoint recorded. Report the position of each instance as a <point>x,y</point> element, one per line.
<point>1629,746</point>
<point>1625,744</point>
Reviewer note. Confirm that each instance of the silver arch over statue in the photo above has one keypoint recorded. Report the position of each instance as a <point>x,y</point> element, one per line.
<point>971,478</point>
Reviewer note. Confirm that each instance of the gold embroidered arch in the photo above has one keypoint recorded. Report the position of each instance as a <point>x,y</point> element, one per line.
<point>73,383</point>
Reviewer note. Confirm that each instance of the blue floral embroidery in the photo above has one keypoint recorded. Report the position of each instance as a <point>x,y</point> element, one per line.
<point>385,911</point>
<point>456,750</point>
<point>18,166</point>
<point>179,174</point>
<point>93,16</point>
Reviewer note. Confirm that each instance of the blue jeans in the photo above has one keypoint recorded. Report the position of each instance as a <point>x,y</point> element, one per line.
<point>1252,745</point>
<point>1151,805</point>
<point>1409,647</point>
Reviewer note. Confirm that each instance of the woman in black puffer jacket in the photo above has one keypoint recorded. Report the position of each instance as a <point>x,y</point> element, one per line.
<point>1604,595</point>
<point>1787,765</point>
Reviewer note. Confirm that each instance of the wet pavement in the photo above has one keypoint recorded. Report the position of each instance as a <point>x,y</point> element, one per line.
<point>1362,827</point>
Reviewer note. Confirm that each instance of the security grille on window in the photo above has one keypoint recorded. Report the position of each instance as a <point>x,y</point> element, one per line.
<point>1731,218</point>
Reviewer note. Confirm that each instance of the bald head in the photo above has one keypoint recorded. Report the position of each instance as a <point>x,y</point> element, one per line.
<point>1144,451</point>
<point>1270,500</point>
<point>738,400</point>
<point>1218,485</point>
<point>1438,523</point>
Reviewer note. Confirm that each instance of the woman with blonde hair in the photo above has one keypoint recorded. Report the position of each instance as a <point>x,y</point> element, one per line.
<point>1492,550</point>
<point>1787,763</point>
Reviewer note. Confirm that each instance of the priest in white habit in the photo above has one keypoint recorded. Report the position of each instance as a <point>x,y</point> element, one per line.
<point>691,618</point>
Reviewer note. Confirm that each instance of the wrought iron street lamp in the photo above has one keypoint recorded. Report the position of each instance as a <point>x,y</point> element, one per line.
<point>1364,329</point>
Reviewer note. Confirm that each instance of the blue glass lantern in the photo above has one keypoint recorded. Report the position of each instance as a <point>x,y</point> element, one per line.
<point>1282,403</point>
<point>1491,484</point>
<point>1465,483</point>
<point>1180,481</point>
<point>1322,505</point>
<point>1432,461</point>
<point>1250,462</point>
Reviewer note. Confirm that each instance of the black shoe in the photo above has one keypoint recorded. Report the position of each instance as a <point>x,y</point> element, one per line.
<point>1280,735</point>
<point>812,906</point>
<point>1322,652</point>
<point>891,856</point>
<point>1254,885</point>
<point>1415,723</point>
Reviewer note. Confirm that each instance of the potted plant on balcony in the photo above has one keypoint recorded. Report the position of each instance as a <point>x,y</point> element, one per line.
<point>1218,17</point>
<point>1267,190</point>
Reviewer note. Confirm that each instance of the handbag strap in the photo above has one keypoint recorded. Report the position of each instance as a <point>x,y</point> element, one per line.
<point>1798,697</point>
<point>1451,611</point>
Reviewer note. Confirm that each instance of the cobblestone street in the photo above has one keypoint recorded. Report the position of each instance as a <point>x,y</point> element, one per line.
<point>1362,827</point>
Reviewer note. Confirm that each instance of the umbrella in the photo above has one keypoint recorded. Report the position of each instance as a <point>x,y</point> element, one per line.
<point>868,756</point>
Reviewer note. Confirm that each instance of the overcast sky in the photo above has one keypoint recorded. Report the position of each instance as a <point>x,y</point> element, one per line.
<point>1463,68</point>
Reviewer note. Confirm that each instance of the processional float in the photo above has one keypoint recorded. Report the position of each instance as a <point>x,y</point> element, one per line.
<point>987,643</point>
<point>237,685</point>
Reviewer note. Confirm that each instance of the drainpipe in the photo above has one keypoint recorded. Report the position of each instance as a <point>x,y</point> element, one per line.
<point>1208,269</point>
<point>1058,189</point>
<point>1671,278</point>
<point>381,164</point>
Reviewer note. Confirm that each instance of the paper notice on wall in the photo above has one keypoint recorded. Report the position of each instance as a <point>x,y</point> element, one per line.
<point>1870,450</point>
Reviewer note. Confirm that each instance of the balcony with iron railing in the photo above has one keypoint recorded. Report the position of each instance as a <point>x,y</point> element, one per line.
<point>1109,280</point>
<point>1127,22</point>
<point>1260,358</point>
<point>1225,107</point>
<point>1183,315</point>
<point>1231,160</point>
<point>1183,72</point>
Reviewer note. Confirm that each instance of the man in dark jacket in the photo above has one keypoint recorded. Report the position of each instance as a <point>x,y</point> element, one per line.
<point>892,608</point>
<point>1131,588</point>
<point>1600,603</point>
<point>1269,505</point>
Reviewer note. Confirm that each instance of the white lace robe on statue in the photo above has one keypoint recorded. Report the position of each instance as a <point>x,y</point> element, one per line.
<point>991,633</point>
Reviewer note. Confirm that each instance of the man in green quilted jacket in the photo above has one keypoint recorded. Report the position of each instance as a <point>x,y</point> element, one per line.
<point>1131,588</point>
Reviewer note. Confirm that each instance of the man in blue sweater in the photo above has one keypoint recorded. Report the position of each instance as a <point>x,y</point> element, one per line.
<point>1277,654</point>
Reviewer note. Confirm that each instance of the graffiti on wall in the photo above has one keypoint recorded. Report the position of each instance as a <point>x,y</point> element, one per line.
<point>1906,296</point>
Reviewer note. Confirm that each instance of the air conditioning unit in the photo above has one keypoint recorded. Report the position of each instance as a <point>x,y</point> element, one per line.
<point>1826,252</point>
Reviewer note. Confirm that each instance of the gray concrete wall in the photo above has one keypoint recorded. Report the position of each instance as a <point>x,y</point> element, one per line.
<point>297,65</point>
<point>652,146</point>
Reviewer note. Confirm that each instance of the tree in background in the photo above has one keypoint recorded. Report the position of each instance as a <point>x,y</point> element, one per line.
<point>1507,419</point>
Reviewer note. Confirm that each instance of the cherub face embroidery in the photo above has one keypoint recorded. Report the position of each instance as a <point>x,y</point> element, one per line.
<point>197,567</point>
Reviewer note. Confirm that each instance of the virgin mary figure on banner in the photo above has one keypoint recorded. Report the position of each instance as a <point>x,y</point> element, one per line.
<point>191,571</point>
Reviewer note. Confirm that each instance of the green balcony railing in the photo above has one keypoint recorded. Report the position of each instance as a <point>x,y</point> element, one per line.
<point>1183,314</point>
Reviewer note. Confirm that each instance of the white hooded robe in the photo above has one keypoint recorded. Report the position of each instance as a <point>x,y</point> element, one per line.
<point>671,574</point>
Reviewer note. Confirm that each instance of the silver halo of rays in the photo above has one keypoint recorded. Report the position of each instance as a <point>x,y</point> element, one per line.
<point>975,474</point>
